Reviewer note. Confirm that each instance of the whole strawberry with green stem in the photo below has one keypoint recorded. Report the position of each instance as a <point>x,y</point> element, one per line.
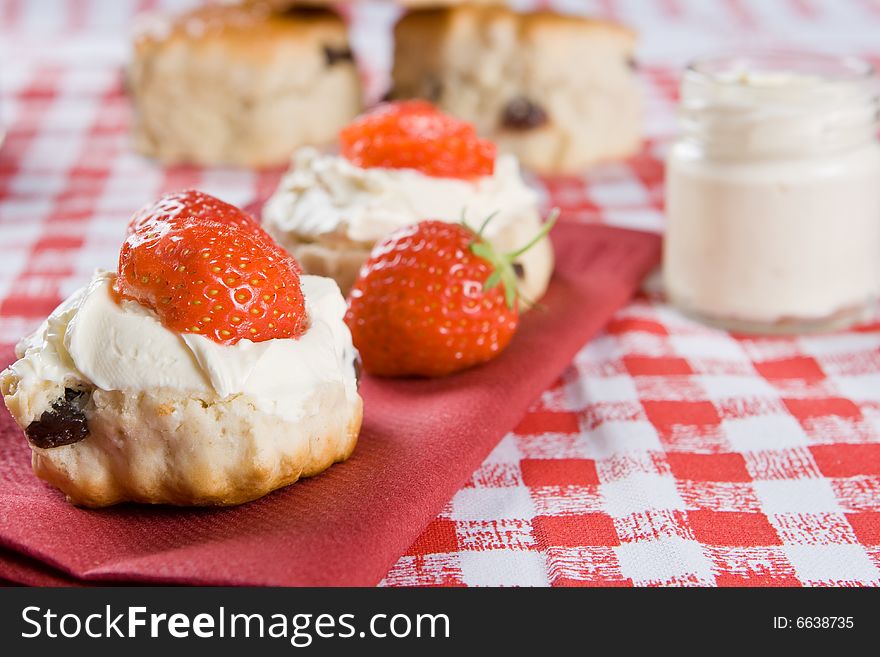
<point>435,298</point>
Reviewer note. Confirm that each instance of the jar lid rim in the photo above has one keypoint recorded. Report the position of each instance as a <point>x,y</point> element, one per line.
<point>840,68</point>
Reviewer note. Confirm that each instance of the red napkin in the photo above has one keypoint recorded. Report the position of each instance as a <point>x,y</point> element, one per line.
<point>420,442</point>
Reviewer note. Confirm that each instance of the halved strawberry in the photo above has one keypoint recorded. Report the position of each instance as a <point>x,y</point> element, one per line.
<point>416,135</point>
<point>191,205</point>
<point>211,273</point>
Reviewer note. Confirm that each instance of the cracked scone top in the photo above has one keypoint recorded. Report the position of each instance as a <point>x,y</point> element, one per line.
<point>118,407</point>
<point>329,211</point>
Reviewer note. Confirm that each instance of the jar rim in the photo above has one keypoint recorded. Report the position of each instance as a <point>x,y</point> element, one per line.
<point>721,68</point>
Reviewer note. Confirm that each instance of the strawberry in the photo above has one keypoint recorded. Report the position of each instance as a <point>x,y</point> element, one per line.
<point>416,135</point>
<point>207,268</point>
<point>433,299</point>
<point>191,204</point>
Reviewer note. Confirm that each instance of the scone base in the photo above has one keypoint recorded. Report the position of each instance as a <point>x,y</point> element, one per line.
<point>152,448</point>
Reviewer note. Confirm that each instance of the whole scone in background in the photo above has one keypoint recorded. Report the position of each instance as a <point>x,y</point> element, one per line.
<point>558,91</point>
<point>240,85</point>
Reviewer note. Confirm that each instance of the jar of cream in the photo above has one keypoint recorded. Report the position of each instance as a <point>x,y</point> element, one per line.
<point>773,193</point>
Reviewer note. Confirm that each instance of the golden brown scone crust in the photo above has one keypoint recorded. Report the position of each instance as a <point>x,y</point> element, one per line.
<point>474,61</point>
<point>161,447</point>
<point>251,27</point>
<point>240,85</point>
<point>528,24</point>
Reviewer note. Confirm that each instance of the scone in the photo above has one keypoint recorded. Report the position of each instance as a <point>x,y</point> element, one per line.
<point>400,164</point>
<point>208,372</point>
<point>558,91</point>
<point>240,85</point>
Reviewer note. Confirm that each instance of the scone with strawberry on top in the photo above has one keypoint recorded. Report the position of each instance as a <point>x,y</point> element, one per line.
<point>397,165</point>
<point>208,371</point>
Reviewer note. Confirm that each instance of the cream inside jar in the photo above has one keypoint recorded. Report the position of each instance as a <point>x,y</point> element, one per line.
<point>773,193</point>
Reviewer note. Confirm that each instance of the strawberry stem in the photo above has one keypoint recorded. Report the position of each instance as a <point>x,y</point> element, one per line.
<point>502,264</point>
<point>493,280</point>
<point>486,223</point>
<point>545,230</point>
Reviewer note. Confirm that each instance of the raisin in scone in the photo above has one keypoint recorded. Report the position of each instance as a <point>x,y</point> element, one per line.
<point>399,164</point>
<point>558,91</point>
<point>208,372</point>
<point>240,85</point>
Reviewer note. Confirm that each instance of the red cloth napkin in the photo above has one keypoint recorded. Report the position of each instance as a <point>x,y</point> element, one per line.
<point>420,441</point>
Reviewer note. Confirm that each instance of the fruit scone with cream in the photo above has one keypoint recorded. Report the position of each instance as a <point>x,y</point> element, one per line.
<point>208,371</point>
<point>397,165</point>
<point>559,91</point>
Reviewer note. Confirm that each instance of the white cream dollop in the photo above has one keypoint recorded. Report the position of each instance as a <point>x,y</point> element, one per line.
<point>324,194</point>
<point>123,346</point>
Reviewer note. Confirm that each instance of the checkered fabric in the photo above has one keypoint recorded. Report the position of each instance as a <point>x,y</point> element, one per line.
<point>668,453</point>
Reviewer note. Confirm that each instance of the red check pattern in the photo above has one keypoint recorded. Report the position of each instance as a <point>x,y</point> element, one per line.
<point>668,453</point>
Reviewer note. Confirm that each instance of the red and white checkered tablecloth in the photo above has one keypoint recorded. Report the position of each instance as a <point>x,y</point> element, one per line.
<point>667,453</point>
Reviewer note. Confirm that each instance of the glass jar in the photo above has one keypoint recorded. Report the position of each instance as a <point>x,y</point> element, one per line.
<point>773,193</point>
